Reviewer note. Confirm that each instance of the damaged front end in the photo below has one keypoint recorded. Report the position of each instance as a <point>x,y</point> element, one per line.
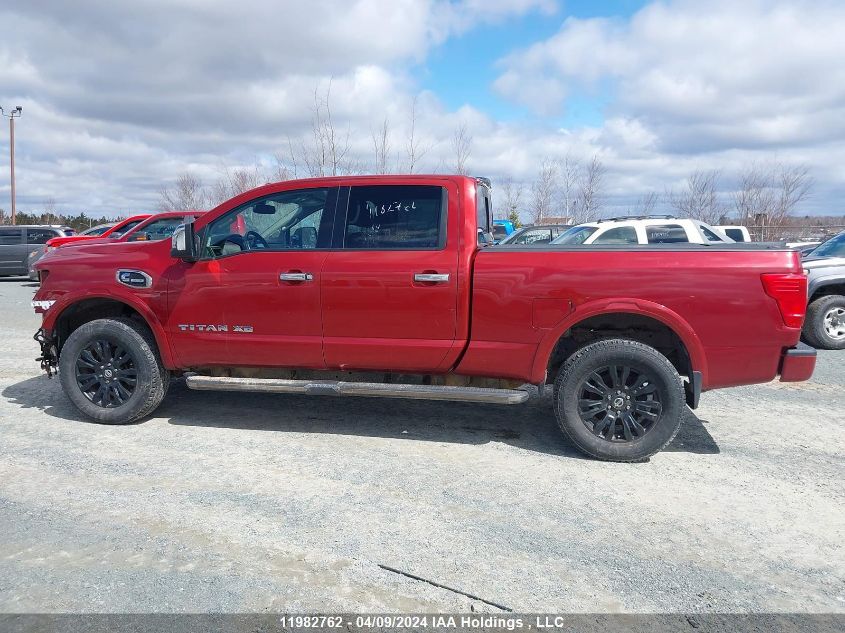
<point>49,358</point>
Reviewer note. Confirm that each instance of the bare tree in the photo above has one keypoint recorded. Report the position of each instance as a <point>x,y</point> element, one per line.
<point>381,147</point>
<point>699,199</point>
<point>795,185</point>
<point>236,181</point>
<point>755,197</point>
<point>50,209</point>
<point>645,204</point>
<point>187,193</point>
<point>286,169</point>
<point>544,190</point>
<point>414,149</point>
<point>327,152</point>
<point>461,148</point>
<point>768,195</point>
<point>590,191</point>
<point>568,176</point>
<point>511,197</point>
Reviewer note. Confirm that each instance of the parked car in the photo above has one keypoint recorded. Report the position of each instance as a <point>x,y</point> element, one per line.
<point>113,231</point>
<point>805,248</point>
<point>642,230</point>
<point>501,229</point>
<point>535,235</point>
<point>18,241</point>
<point>159,226</point>
<point>736,232</point>
<point>824,327</point>
<point>382,278</point>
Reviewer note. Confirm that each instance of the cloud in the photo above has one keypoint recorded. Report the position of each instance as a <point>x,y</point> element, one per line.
<point>120,98</point>
<point>703,76</point>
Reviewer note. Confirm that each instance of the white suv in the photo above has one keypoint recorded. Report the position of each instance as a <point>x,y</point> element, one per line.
<point>638,230</point>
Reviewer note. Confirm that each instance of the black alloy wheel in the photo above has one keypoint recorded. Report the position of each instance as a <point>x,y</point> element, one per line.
<point>106,373</point>
<point>619,403</point>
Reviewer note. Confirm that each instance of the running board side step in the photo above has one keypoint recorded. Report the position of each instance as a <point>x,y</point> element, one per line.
<point>370,389</point>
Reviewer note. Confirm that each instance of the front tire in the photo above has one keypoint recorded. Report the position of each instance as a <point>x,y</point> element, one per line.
<point>111,371</point>
<point>824,327</point>
<point>619,400</point>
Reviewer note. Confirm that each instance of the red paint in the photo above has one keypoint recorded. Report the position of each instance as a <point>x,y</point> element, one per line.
<point>500,314</point>
<point>61,241</point>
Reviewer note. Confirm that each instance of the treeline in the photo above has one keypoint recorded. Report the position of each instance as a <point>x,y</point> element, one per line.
<point>78,222</point>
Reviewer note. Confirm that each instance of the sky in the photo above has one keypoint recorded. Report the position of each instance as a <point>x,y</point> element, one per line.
<point>120,98</point>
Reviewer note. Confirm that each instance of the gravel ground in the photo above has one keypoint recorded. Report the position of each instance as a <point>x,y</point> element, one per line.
<point>242,502</point>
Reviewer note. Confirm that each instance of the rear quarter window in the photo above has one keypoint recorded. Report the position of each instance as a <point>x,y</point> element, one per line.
<point>666,234</point>
<point>10,236</point>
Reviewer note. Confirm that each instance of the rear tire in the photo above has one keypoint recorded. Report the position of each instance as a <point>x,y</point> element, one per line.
<point>111,371</point>
<point>824,327</point>
<point>619,400</point>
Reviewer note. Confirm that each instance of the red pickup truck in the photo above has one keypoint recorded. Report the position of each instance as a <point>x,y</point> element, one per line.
<point>384,286</point>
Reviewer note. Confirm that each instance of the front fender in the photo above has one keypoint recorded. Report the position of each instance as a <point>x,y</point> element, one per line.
<point>830,278</point>
<point>641,307</point>
<point>137,303</point>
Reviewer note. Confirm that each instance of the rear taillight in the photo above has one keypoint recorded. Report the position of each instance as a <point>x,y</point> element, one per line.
<point>790,292</point>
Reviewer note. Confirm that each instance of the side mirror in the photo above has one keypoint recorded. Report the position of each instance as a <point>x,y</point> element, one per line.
<point>183,244</point>
<point>484,239</point>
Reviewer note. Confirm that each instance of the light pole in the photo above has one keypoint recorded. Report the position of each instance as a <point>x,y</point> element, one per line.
<point>16,112</point>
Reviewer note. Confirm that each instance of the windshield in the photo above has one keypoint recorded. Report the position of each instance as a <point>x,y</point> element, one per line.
<point>575,235</point>
<point>834,247</point>
<point>123,230</point>
<point>499,231</point>
<point>97,230</point>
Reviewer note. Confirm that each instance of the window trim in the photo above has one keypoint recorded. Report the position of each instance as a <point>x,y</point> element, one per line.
<point>339,237</point>
<point>328,218</point>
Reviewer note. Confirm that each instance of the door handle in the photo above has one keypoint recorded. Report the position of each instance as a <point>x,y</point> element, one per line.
<point>432,278</point>
<point>297,276</point>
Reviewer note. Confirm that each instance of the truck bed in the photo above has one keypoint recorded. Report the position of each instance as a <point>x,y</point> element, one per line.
<point>711,296</point>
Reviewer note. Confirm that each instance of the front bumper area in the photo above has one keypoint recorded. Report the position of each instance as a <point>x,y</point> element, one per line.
<point>49,358</point>
<point>797,363</point>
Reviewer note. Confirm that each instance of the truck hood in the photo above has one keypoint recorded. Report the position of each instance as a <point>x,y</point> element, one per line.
<point>105,249</point>
<point>812,263</point>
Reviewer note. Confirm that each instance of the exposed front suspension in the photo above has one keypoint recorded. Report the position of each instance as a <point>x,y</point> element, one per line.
<point>49,358</point>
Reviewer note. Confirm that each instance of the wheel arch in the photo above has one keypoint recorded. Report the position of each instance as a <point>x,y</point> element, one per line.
<point>92,307</point>
<point>832,285</point>
<point>639,320</point>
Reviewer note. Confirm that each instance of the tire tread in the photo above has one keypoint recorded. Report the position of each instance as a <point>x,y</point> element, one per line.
<point>615,344</point>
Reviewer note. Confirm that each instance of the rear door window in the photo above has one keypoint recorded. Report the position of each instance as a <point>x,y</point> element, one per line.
<point>619,235</point>
<point>40,236</point>
<point>396,217</point>
<point>666,234</point>
<point>10,236</point>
